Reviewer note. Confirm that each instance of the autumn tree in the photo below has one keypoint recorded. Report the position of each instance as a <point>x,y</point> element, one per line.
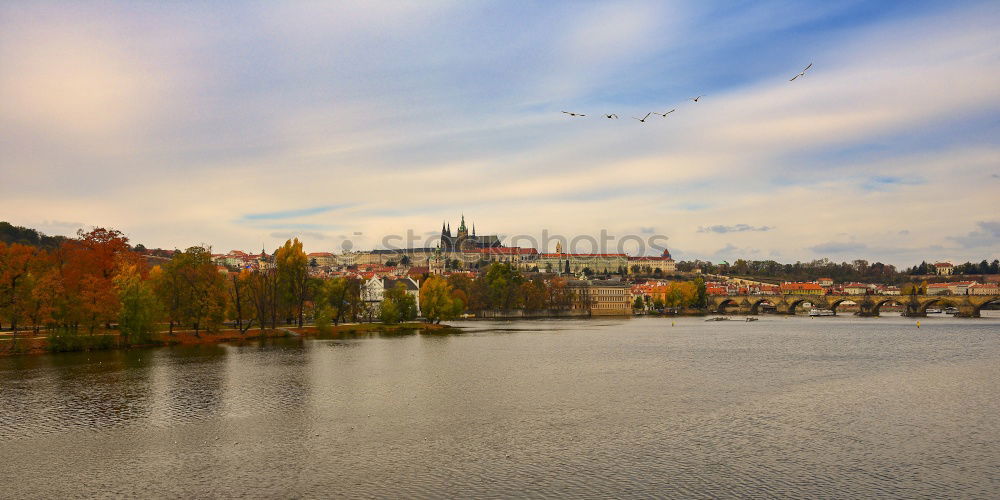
<point>262,284</point>
<point>560,295</point>
<point>46,289</point>
<point>438,301</point>
<point>241,306</point>
<point>86,267</point>
<point>293,277</point>
<point>15,262</point>
<point>534,295</point>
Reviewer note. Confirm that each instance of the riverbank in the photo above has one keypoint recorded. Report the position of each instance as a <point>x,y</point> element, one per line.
<point>28,344</point>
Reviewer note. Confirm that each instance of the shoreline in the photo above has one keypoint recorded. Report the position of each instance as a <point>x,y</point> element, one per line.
<point>105,341</point>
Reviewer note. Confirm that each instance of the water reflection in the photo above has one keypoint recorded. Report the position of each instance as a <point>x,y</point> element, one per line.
<point>615,408</point>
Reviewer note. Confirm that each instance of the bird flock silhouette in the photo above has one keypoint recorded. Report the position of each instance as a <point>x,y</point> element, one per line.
<point>613,116</point>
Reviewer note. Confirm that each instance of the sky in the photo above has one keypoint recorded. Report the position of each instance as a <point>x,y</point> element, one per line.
<point>241,124</point>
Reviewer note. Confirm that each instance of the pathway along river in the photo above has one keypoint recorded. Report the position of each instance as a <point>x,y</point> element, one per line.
<point>845,407</point>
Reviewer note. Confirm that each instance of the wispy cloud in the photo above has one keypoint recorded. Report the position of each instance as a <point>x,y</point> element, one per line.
<point>453,107</point>
<point>737,228</point>
<point>288,214</point>
<point>884,182</point>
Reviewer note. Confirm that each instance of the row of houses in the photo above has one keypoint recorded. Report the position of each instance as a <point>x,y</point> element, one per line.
<point>963,288</point>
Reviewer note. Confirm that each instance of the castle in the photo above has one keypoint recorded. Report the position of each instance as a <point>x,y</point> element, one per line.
<point>462,241</point>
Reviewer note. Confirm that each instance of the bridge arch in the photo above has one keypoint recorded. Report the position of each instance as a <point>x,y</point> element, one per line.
<point>835,303</point>
<point>721,308</point>
<point>793,305</point>
<point>755,306</point>
<point>977,310</point>
<point>944,300</point>
<point>877,307</point>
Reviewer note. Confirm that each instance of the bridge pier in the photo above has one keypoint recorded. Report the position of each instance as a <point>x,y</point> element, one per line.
<point>967,311</point>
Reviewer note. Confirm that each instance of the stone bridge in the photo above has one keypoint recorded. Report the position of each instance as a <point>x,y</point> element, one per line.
<point>868,305</point>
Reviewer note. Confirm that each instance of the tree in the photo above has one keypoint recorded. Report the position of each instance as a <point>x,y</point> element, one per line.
<point>15,261</point>
<point>534,294</point>
<point>46,289</point>
<point>398,305</point>
<point>140,309</point>
<point>166,286</point>
<point>560,296</point>
<point>196,289</point>
<point>437,300</point>
<point>503,284</point>
<point>87,266</point>
<point>241,305</point>
<point>638,302</point>
<point>701,298</point>
<point>262,286</point>
<point>293,277</point>
<point>340,297</point>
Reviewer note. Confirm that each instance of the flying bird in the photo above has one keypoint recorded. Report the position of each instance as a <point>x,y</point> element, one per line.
<point>802,73</point>
<point>643,119</point>
<point>695,99</point>
<point>612,116</point>
<point>574,114</point>
<point>664,114</point>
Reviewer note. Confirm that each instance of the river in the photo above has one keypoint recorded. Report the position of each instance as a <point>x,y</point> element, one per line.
<point>781,407</point>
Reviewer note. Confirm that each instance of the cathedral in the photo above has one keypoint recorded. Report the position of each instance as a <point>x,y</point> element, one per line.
<point>462,241</point>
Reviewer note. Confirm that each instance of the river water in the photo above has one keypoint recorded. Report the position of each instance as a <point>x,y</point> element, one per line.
<point>786,407</point>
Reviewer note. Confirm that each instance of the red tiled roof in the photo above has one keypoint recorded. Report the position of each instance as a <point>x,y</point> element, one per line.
<point>506,251</point>
<point>583,255</point>
<point>800,286</point>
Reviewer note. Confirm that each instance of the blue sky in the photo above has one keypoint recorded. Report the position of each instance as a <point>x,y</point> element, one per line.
<point>240,124</point>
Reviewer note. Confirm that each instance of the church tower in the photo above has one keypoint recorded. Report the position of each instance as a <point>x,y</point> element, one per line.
<point>462,230</point>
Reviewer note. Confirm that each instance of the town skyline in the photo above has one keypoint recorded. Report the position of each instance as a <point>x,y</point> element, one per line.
<point>335,122</point>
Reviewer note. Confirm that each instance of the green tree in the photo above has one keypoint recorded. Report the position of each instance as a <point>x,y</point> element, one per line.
<point>503,284</point>
<point>398,305</point>
<point>140,309</point>
<point>194,289</point>
<point>701,299</point>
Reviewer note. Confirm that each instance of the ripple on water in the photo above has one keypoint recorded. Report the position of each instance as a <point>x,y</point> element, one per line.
<point>779,407</point>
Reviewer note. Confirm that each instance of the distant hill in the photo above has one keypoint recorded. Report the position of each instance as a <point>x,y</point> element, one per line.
<point>10,233</point>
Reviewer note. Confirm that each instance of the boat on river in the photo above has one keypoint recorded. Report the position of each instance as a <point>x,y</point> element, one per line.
<point>821,312</point>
